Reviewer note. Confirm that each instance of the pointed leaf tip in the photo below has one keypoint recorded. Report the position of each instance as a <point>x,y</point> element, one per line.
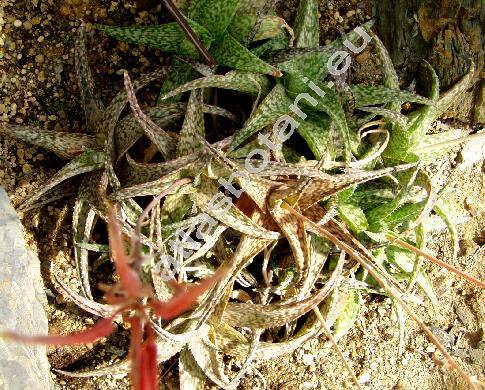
<point>101,329</point>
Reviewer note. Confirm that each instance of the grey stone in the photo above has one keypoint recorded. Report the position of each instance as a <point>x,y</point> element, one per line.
<point>471,153</point>
<point>22,300</point>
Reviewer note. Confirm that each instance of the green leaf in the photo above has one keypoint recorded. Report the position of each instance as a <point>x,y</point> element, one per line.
<point>87,162</point>
<point>330,104</point>
<point>214,15</point>
<point>404,260</point>
<point>390,78</point>
<point>281,41</point>
<point>178,74</point>
<point>369,197</point>
<point>378,216</point>
<point>241,26</point>
<point>349,314</point>
<point>193,125</point>
<point>65,145</point>
<point>311,65</point>
<point>316,132</point>
<point>391,115</point>
<point>274,106</point>
<point>354,217</point>
<point>307,29</point>
<point>404,215</point>
<point>167,37</point>
<point>370,95</point>
<point>404,140</point>
<point>251,83</point>
<point>431,155</point>
<point>93,106</point>
<point>229,52</point>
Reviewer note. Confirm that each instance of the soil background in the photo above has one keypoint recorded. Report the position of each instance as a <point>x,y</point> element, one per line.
<point>38,87</point>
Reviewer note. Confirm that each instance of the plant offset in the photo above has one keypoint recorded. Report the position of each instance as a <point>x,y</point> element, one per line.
<point>312,222</point>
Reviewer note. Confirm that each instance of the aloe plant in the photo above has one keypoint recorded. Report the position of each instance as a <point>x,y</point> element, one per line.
<point>289,219</point>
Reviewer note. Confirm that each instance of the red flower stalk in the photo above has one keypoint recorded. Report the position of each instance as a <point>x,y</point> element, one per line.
<point>136,302</point>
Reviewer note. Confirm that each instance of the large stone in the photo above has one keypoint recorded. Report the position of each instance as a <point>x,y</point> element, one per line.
<point>22,300</point>
<point>471,153</point>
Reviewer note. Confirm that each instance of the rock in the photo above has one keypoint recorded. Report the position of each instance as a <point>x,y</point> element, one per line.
<point>471,153</point>
<point>22,300</point>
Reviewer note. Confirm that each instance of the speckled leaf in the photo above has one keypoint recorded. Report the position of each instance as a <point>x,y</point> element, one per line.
<point>138,173</point>
<point>165,144</point>
<point>294,231</point>
<point>65,145</point>
<point>214,15</point>
<point>330,104</point>
<point>403,215</point>
<point>307,29</point>
<point>369,95</point>
<point>250,83</point>
<point>129,131</point>
<point>150,188</point>
<point>178,74</point>
<point>430,156</point>
<point>404,261</point>
<point>234,344</point>
<point>209,361</point>
<point>251,6</point>
<point>267,49</point>
<point>393,116</point>
<point>191,377</point>
<point>165,350</point>
<point>87,162</point>
<point>327,185</point>
<point>193,125</point>
<point>233,218</point>
<point>354,217</point>
<point>390,79</point>
<point>404,140</point>
<point>311,65</point>
<point>175,208</point>
<point>83,218</point>
<point>98,309</point>
<point>377,216</point>
<point>275,105</point>
<point>349,313</point>
<point>271,26</point>
<point>93,107</point>
<point>231,53</point>
<point>316,132</point>
<point>168,37</point>
<point>256,316</point>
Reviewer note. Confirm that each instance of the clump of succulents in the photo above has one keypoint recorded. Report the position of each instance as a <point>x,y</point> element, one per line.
<point>334,213</point>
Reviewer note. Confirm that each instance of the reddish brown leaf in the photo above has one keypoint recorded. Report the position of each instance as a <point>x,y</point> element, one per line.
<point>184,298</point>
<point>149,365</point>
<point>129,279</point>
<point>102,329</point>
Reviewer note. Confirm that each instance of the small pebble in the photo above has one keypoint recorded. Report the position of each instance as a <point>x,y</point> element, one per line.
<point>89,321</point>
<point>308,360</point>
<point>430,349</point>
<point>39,58</point>
<point>27,25</point>
<point>17,23</point>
